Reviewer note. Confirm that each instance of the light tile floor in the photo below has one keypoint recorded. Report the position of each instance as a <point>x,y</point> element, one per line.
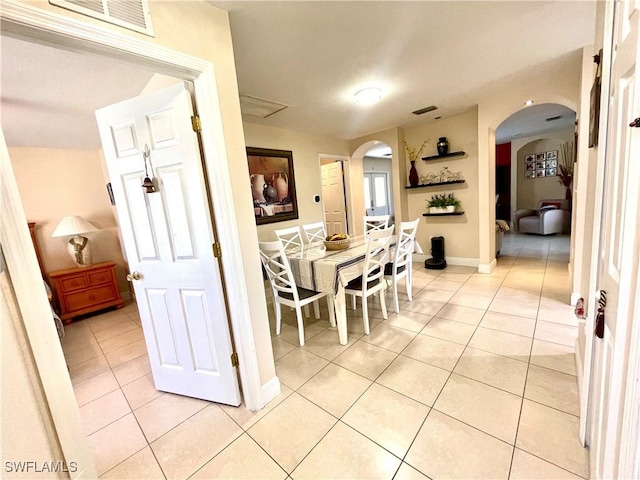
<point>473,379</point>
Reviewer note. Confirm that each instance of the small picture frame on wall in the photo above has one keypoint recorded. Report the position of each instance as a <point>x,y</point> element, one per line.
<point>540,165</point>
<point>551,172</point>
<point>541,173</point>
<point>541,157</point>
<point>530,157</point>
<point>552,163</point>
<point>552,155</point>
<point>530,166</point>
<point>530,174</point>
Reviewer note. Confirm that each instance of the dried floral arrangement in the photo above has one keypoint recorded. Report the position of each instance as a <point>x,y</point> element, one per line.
<point>412,153</point>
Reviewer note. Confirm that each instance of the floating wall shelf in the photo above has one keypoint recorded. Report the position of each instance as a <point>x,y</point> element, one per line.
<point>442,214</point>
<point>434,184</point>
<point>439,157</point>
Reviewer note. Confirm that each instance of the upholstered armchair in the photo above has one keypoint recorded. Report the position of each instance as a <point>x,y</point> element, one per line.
<point>552,216</point>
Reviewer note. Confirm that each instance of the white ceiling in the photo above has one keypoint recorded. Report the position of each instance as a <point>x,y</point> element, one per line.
<point>313,56</point>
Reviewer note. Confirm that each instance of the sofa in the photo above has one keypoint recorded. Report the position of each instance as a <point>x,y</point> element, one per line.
<point>551,216</point>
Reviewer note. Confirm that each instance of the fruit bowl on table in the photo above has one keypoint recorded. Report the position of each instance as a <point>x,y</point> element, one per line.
<point>338,242</point>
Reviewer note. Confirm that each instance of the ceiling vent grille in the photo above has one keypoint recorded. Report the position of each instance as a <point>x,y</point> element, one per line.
<point>131,14</point>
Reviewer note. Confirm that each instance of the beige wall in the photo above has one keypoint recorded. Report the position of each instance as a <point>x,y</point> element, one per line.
<point>460,232</point>
<point>531,190</point>
<point>306,166</point>
<point>27,428</point>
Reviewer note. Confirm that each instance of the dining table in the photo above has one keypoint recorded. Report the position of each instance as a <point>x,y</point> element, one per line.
<point>316,268</point>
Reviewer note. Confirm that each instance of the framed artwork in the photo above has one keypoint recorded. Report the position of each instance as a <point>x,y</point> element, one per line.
<point>541,157</point>
<point>272,184</point>
<point>530,157</point>
<point>594,107</point>
<point>551,172</point>
<point>530,166</point>
<point>552,155</point>
<point>552,163</point>
<point>540,165</point>
<point>530,174</point>
<point>540,173</point>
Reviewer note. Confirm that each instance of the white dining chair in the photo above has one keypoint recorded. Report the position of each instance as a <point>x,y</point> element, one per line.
<point>400,266</point>
<point>372,279</point>
<point>290,237</point>
<point>314,232</point>
<point>285,291</point>
<point>375,222</point>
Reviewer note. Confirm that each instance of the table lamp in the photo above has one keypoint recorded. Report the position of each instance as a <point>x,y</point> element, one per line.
<point>79,247</point>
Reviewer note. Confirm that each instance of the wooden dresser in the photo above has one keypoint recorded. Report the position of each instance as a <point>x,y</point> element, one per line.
<point>85,290</point>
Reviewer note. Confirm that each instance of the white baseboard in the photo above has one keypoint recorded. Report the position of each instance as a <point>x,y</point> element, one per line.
<point>575,296</point>
<point>271,390</point>
<point>487,268</point>
<point>460,261</point>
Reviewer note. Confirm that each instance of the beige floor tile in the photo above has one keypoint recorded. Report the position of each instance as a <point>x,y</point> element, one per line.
<point>434,351</point>
<point>186,448</point>
<point>132,370</point>
<point>554,356</point>
<point>407,472</point>
<point>103,411</point>
<point>553,436</point>
<point>500,372</point>
<point>281,347</point>
<point>291,430</point>
<point>483,290</point>
<point>432,294</point>
<point>334,389</point>
<point>417,380</point>
<point>122,340</point>
<point>142,465</point>
<point>95,387</point>
<point>326,344</point>
<point>513,307</point>
<point>524,297</point>
<point>447,448</point>
<point>101,324</point>
<point>554,389</point>
<point>289,333</point>
<point>246,418</point>
<point>502,343</point>
<point>429,308</point>
<point>232,464</point>
<point>470,300</point>
<point>509,323</point>
<point>116,442</point>
<point>76,355</point>
<point>556,308</point>
<point>450,330</point>
<point>444,284</point>
<point>345,453</point>
<point>366,359</point>
<point>297,367</point>
<point>412,321</point>
<point>124,354</point>
<point>141,391</point>
<point>556,333</point>
<point>388,418</point>
<point>108,331</point>
<point>77,333</point>
<point>389,337</point>
<point>527,467</point>
<point>458,313</point>
<point>165,412</point>
<point>89,369</point>
<point>486,408</point>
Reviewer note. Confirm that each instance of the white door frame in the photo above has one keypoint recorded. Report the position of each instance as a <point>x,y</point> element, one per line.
<point>347,184</point>
<point>49,28</point>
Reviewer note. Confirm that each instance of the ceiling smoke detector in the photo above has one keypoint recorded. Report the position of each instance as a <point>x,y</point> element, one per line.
<point>259,107</point>
<point>430,108</point>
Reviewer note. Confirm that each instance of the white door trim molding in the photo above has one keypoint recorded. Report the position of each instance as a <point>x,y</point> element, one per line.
<point>32,23</point>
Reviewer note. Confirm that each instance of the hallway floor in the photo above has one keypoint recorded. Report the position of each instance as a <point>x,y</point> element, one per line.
<point>473,379</point>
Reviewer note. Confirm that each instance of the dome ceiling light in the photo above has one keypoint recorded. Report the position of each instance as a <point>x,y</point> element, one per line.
<point>368,96</point>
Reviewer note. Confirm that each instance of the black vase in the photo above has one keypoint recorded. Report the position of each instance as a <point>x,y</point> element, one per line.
<point>414,178</point>
<point>443,146</point>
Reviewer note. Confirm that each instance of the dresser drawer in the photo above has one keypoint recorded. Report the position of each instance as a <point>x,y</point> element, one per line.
<point>90,297</point>
<point>75,282</point>
<point>100,277</point>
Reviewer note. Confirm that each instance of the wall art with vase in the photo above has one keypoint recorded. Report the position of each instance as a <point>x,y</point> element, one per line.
<point>272,185</point>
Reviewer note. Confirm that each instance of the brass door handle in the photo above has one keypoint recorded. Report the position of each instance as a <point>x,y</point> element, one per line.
<point>133,276</point>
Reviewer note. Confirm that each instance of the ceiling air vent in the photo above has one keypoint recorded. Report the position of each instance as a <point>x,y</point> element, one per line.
<point>430,108</point>
<point>131,14</point>
<point>259,107</point>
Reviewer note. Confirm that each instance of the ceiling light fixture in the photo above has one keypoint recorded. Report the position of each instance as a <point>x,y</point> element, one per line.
<point>528,103</point>
<point>368,96</point>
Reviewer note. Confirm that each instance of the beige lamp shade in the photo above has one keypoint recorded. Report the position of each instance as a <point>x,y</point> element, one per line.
<point>79,247</point>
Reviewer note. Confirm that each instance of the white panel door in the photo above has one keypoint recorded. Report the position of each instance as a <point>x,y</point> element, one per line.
<point>376,193</point>
<point>335,215</point>
<point>618,264</point>
<point>168,239</point>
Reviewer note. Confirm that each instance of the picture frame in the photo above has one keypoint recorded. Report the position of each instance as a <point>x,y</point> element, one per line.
<point>594,103</point>
<point>541,157</point>
<point>530,174</point>
<point>551,172</point>
<point>541,173</point>
<point>530,166</point>
<point>272,183</point>
<point>541,165</point>
<point>552,155</point>
<point>552,163</point>
<point>531,157</point>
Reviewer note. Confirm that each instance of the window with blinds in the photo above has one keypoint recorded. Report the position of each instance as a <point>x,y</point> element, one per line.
<point>131,14</point>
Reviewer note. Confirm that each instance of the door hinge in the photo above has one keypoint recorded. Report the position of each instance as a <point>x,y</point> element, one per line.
<point>217,250</point>
<point>346,209</point>
<point>234,359</point>
<point>196,123</point>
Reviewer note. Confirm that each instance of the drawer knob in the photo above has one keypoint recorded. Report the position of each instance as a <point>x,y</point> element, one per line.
<point>92,297</point>
<point>74,283</point>
<point>133,276</point>
<point>100,277</point>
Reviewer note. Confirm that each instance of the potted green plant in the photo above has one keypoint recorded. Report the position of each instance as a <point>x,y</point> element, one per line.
<point>443,203</point>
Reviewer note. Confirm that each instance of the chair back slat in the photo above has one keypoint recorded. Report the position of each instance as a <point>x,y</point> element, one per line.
<point>275,262</point>
<point>404,245</point>
<point>315,232</point>
<point>375,222</point>
<point>376,257</point>
<point>290,237</point>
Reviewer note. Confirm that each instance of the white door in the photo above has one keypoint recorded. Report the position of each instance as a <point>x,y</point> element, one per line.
<point>617,263</point>
<point>376,193</point>
<point>335,211</point>
<point>168,237</point>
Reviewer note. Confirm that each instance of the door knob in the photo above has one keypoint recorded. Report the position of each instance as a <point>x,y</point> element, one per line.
<point>133,276</point>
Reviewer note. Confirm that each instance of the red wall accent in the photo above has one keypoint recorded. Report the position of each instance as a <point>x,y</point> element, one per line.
<point>503,154</point>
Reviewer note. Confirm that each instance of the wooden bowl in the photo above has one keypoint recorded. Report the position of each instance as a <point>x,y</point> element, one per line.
<point>337,244</point>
